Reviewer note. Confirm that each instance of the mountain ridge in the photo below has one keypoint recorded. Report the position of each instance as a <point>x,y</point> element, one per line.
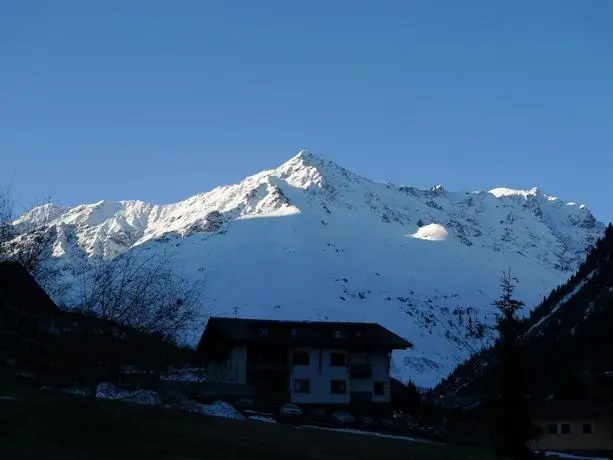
<point>312,240</point>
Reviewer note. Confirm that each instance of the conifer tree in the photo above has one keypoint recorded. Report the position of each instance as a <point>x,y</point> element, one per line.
<point>513,428</point>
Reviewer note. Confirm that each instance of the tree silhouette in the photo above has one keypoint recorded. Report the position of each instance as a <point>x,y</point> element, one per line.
<point>513,428</point>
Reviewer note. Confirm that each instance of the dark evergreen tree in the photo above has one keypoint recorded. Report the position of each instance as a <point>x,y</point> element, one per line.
<point>512,421</point>
<point>406,398</point>
<point>413,397</point>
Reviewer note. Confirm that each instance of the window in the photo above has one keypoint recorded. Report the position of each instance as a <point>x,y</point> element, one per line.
<point>565,428</point>
<point>340,334</point>
<point>379,388</point>
<point>587,428</point>
<point>338,387</point>
<point>300,358</point>
<point>263,331</point>
<point>552,428</point>
<point>337,359</point>
<point>302,386</point>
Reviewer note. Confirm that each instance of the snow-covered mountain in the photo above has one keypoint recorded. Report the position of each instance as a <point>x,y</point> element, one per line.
<point>311,240</point>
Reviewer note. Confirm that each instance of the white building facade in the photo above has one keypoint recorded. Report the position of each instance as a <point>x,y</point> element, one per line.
<point>302,362</point>
<point>332,376</point>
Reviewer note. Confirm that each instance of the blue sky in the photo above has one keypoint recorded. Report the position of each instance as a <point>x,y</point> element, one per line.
<point>160,100</point>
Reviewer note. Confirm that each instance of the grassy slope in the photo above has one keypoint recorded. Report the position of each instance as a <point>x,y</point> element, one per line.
<point>51,425</point>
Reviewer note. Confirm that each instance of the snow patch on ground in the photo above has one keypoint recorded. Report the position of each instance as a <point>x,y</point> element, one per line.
<point>144,397</point>
<point>262,418</point>
<point>221,409</point>
<point>572,457</point>
<point>372,433</point>
<point>111,392</point>
<point>431,232</point>
<point>184,375</point>
<point>72,391</point>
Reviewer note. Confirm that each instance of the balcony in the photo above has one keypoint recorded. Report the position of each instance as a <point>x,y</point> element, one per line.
<point>360,370</point>
<point>267,364</point>
<point>268,367</point>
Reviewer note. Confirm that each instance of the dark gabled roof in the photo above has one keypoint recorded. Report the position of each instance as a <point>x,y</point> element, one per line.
<point>302,333</point>
<point>17,283</point>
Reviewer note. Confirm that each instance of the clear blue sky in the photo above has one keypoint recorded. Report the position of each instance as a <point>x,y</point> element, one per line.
<point>160,100</point>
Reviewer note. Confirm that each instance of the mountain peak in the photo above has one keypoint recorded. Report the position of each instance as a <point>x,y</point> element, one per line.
<point>306,155</point>
<point>304,158</point>
<point>41,214</point>
<point>307,169</point>
<point>500,192</point>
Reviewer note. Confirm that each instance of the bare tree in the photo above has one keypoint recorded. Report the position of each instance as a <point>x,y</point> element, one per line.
<point>26,242</point>
<point>142,292</point>
<point>130,300</point>
<point>7,206</point>
<point>30,242</point>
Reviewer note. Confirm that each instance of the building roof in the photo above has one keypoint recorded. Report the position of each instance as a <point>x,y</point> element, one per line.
<point>18,285</point>
<point>302,333</point>
<point>570,409</point>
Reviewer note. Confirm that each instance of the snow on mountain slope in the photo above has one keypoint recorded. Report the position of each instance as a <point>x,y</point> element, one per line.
<point>311,240</point>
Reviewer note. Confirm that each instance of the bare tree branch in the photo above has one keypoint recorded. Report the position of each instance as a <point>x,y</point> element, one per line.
<point>7,206</point>
<point>134,293</point>
<point>30,242</point>
<point>141,292</point>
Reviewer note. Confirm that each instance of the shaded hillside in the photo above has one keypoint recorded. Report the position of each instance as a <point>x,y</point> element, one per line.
<point>569,332</point>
